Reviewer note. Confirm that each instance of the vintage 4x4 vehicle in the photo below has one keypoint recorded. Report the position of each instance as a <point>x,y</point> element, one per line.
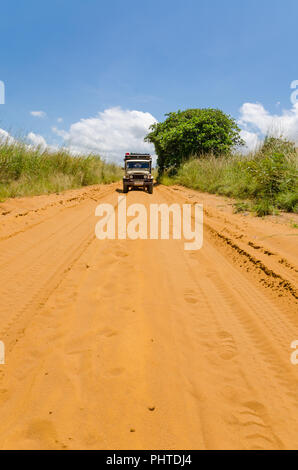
<point>138,168</point>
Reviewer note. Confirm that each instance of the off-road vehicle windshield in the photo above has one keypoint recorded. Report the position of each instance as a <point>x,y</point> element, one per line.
<point>138,165</point>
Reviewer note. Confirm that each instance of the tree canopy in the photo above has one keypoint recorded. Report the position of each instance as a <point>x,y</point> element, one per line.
<point>193,132</point>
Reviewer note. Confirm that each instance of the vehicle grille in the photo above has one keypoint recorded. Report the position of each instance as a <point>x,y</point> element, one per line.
<point>138,177</point>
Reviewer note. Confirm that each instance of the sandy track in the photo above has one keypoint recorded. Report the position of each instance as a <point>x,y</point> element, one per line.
<point>140,344</point>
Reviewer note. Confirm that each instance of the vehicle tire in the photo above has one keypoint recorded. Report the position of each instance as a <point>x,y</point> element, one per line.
<point>125,188</point>
<point>150,189</point>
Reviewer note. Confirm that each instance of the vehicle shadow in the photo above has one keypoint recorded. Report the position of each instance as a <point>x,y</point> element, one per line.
<point>120,191</point>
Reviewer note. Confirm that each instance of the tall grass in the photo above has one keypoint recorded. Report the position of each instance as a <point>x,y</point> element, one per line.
<point>266,180</point>
<point>28,171</point>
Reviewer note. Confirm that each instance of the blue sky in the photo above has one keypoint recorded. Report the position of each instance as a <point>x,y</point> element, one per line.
<point>73,59</point>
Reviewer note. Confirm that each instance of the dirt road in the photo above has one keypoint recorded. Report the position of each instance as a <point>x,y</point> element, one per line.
<point>141,344</point>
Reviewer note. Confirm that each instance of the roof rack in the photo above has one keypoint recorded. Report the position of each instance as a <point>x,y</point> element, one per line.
<point>138,156</point>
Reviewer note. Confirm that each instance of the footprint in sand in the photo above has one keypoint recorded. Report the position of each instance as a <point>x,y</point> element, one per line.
<point>254,427</point>
<point>44,433</point>
<point>116,372</point>
<point>121,254</point>
<point>190,297</point>
<point>108,332</point>
<point>227,346</point>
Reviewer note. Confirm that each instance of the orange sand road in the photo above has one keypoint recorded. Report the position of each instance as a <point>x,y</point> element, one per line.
<point>141,344</point>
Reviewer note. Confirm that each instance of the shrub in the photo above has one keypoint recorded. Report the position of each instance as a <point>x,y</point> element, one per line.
<point>190,132</point>
<point>268,180</point>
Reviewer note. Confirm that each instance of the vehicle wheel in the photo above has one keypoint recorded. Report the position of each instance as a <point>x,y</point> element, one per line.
<point>150,189</point>
<point>125,188</point>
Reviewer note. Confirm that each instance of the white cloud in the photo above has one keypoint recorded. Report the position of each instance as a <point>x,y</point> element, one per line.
<point>6,137</point>
<point>37,140</point>
<point>60,119</point>
<point>38,114</point>
<point>251,139</point>
<point>34,140</point>
<point>111,133</point>
<point>60,133</point>
<point>256,122</point>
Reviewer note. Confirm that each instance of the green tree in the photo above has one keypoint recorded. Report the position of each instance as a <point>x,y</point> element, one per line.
<point>192,132</point>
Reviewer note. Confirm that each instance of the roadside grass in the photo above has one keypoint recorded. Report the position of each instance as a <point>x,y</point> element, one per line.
<point>26,171</point>
<point>263,182</point>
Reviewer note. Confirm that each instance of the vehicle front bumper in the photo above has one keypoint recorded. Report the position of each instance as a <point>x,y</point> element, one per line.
<point>137,182</point>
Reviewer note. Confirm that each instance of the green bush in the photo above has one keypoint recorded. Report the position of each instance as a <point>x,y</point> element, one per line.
<point>270,175</point>
<point>288,201</point>
<point>266,180</point>
<point>263,207</point>
<point>190,132</point>
<point>277,145</point>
